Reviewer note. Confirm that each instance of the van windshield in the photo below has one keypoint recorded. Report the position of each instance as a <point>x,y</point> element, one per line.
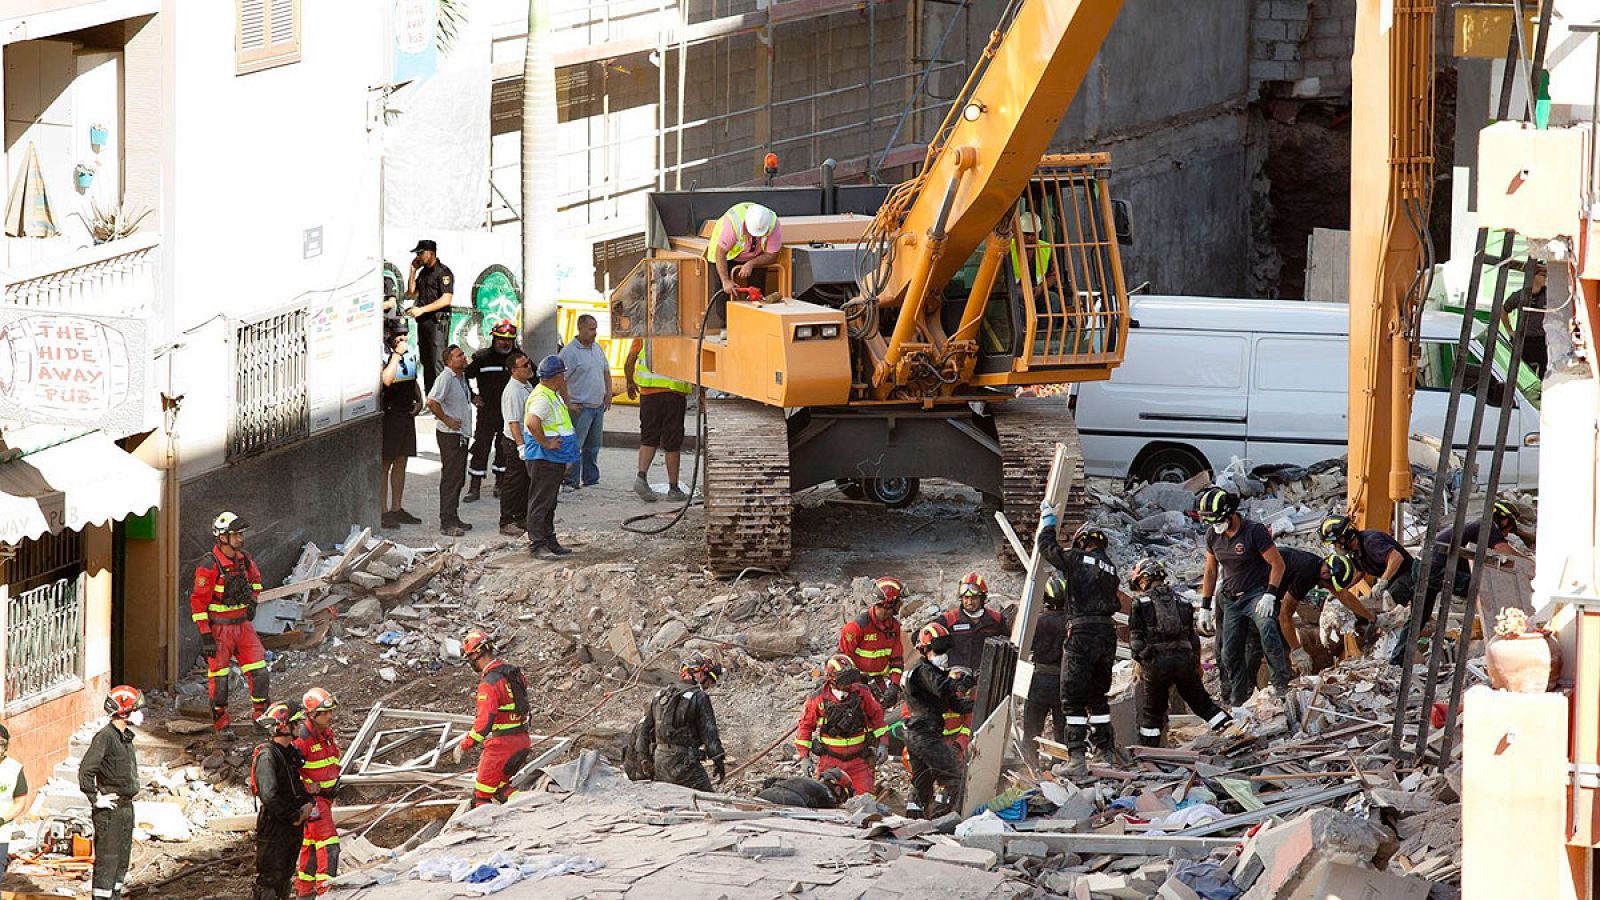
<point>1436,364</point>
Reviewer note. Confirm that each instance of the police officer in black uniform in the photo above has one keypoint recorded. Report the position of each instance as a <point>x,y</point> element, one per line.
<point>930,693</point>
<point>285,805</point>
<point>680,728</point>
<point>1090,648</point>
<point>1164,643</point>
<point>1044,690</point>
<point>489,368</point>
<point>432,286</point>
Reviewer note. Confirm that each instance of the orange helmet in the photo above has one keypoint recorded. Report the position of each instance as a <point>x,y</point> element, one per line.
<point>123,700</point>
<point>275,720</point>
<point>503,329</point>
<point>841,670</point>
<point>934,637</point>
<point>317,700</point>
<point>973,585</point>
<point>477,641</point>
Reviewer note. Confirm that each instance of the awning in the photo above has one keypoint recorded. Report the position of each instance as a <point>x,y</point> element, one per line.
<point>64,479</point>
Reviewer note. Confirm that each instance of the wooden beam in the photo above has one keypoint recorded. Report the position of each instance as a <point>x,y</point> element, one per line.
<point>289,590</point>
<point>431,809</point>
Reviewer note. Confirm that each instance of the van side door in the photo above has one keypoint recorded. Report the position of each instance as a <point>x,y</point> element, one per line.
<point>1298,390</point>
<point>1434,369</point>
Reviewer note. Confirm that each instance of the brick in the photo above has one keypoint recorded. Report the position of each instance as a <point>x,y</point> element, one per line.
<point>1286,52</point>
<point>764,846</point>
<point>1025,849</point>
<point>1289,10</point>
<point>1271,30</point>
<point>1334,48</point>
<point>1267,70</point>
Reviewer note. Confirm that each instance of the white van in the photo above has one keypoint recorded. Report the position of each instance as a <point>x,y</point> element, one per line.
<point>1207,379</point>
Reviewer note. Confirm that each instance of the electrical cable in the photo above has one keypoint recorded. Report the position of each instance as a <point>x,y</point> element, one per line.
<point>700,436</point>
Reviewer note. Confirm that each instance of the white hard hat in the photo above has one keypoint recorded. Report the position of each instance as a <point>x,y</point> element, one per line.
<point>758,220</point>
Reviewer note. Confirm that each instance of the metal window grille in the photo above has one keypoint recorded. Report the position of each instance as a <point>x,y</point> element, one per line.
<point>44,618</point>
<point>271,404</point>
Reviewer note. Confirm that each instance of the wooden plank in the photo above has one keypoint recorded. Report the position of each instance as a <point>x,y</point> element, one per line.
<point>352,550</point>
<point>986,751</point>
<point>1514,812</point>
<point>377,551</point>
<point>411,581</point>
<point>288,590</point>
<point>1271,809</point>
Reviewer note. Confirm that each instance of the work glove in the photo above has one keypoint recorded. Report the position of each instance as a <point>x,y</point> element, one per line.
<point>461,749</point>
<point>880,754</point>
<point>719,765</point>
<point>208,645</point>
<point>1047,514</point>
<point>1301,660</point>
<point>808,766</point>
<point>1204,623</point>
<point>1381,595</point>
<point>1267,606</point>
<point>105,801</point>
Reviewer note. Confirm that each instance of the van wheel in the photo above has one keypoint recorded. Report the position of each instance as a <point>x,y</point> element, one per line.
<point>1172,464</point>
<point>894,493</point>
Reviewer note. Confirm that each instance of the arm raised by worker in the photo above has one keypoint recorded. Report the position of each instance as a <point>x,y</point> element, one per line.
<point>628,367</point>
<point>1049,545</point>
<point>391,368</point>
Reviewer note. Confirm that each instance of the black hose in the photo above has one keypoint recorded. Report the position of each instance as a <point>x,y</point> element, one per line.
<point>700,437</point>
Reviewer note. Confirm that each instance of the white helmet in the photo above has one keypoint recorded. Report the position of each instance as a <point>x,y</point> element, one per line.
<point>758,220</point>
<point>226,523</point>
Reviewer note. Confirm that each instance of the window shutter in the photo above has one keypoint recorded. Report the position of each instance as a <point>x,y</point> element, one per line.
<point>269,34</point>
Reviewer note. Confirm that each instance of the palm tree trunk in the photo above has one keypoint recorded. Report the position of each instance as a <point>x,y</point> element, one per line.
<point>539,147</point>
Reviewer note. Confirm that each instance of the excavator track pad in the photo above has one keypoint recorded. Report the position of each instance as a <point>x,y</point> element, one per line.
<point>1029,429</point>
<point>748,504</point>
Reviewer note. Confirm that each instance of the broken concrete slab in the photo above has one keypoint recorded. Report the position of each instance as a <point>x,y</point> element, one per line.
<point>972,857</point>
<point>764,846</point>
<point>366,580</point>
<point>1337,881</point>
<point>1289,852</point>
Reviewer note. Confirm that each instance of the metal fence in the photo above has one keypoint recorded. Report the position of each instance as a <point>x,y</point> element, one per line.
<point>271,403</point>
<point>44,640</point>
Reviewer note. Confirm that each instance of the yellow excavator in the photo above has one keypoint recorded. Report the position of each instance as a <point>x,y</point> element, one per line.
<point>890,338</point>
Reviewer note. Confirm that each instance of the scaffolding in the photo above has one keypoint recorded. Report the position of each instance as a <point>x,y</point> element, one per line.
<point>678,94</point>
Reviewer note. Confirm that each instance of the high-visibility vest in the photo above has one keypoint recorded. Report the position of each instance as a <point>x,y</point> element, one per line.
<point>558,426</point>
<point>1041,260</point>
<point>733,218</point>
<point>643,377</point>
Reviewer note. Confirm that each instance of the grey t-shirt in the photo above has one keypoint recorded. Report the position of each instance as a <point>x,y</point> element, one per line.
<point>455,398</point>
<point>514,404</point>
<point>586,372</point>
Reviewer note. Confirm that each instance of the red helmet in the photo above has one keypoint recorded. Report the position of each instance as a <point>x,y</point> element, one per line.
<point>123,700</point>
<point>838,783</point>
<point>503,329</point>
<point>890,591</point>
<point>275,720</point>
<point>317,700</point>
<point>841,670</point>
<point>973,585</point>
<point>477,641</point>
<point>933,636</point>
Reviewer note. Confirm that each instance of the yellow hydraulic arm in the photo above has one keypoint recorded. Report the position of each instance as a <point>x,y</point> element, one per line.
<point>976,168</point>
<point>1391,179</point>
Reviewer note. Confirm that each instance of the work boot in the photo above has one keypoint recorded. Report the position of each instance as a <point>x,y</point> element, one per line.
<point>676,495</point>
<point>511,529</point>
<point>555,548</point>
<point>1077,763</point>
<point>474,490</point>
<point>1109,754</point>
<point>219,718</point>
<point>405,518</point>
<point>641,486</point>
<point>497,486</point>
<point>389,520</point>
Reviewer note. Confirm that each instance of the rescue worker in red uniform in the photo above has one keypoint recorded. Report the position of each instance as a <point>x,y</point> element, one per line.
<point>872,641</point>
<point>972,622</point>
<point>842,728</point>
<point>501,724</point>
<point>319,847</point>
<point>222,605</point>
<point>958,725</point>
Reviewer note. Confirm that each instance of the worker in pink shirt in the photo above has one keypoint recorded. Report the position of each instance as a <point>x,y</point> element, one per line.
<point>749,235</point>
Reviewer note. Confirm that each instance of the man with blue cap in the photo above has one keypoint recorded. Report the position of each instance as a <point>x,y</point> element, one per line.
<point>549,445</point>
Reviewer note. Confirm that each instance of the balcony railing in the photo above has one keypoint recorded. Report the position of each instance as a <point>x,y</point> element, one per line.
<point>117,278</point>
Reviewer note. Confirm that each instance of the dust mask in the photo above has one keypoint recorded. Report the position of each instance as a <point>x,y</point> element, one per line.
<point>940,659</point>
<point>136,717</point>
<point>838,694</point>
<point>1220,527</point>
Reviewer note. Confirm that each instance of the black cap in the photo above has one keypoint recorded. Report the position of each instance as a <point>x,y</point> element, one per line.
<point>425,245</point>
